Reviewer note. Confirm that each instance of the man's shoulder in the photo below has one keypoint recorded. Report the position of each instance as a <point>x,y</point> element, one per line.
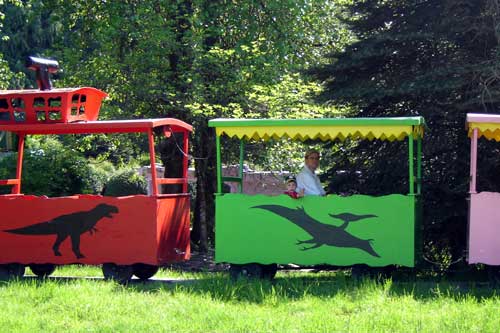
<point>304,172</point>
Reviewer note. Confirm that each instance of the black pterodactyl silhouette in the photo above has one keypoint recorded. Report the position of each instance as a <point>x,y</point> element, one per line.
<point>70,225</point>
<point>324,234</point>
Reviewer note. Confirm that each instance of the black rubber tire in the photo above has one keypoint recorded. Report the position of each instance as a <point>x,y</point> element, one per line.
<point>269,271</point>
<point>118,273</point>
<point>246,271</point>
<point>381,274</point>
<point>11,271</point>
<point>360,272</point>
<point>42,270</point>
<point>144,271</point>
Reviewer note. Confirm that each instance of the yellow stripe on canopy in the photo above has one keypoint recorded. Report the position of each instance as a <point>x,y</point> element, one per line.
<point>324,133</point>
<point>490,131</point>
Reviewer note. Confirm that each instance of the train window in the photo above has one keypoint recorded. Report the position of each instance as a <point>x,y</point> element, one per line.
<point>17,103</point>
<point>40,116</point>
<point>55,115</point>
<point>20,116</point>
<point>3,103</point>
<point>4,116</point>
<point>39,102</point>
<point>55,102</point>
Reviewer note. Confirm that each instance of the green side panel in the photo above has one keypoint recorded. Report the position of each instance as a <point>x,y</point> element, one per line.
<point>333,230</point>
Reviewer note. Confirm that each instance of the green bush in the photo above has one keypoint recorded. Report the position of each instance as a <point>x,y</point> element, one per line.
<point>50,168</point>
<point>125,182</point>
<point>101,171</point>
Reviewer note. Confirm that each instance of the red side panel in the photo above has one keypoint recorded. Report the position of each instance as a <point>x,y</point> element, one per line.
<point>173,229</point>
<point>87,229</point>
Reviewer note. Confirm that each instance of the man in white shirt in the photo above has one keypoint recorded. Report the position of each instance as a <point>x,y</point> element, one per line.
<point>307,179</point>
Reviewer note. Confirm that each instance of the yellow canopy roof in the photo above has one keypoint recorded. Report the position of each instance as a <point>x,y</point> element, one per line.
<point>323,129</point>
<point>488,125</point>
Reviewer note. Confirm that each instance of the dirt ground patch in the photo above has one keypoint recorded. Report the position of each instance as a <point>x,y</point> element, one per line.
<point>200,262</point>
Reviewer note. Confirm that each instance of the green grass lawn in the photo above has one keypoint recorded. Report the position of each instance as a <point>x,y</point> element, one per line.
<point>205,302</point>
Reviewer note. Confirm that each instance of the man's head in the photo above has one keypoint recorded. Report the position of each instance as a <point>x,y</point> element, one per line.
<point>312,159</point>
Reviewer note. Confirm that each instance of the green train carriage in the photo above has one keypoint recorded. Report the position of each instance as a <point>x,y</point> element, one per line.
<point>256,233</point>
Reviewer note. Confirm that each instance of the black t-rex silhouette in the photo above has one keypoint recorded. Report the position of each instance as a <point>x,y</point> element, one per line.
<point>72,225</point>
<point>324,234</point>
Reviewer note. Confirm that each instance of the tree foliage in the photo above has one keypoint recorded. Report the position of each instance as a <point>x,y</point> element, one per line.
<point>53,170</point>
<point>189,59</point>
<point>244,47</point>
<point>125,182</point>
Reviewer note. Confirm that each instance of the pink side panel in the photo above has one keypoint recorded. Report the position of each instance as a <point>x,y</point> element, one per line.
<point>484,228</point>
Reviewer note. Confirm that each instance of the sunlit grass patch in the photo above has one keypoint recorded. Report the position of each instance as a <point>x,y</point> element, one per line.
<point>211,302</point>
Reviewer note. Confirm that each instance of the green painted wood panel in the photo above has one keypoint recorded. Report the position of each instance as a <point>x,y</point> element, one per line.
<point>332,230</point>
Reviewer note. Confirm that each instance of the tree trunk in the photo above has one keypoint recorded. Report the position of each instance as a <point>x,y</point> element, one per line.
<point>204,212</point>
<point>200,220</point>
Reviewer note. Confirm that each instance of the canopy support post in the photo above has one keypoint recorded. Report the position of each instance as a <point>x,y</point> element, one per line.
<point>419,165</point>
<point>152,158</point>
<point>473,162</point>
<point>219,165</point>
<point>16,189</point>
<point>185,161</point>
<point>410,164</point>
<point>240,173</point>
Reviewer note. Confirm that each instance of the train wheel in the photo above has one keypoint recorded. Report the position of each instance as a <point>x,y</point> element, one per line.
<point>144,271</point>
<point>381,274</point>
<point>118,273</point>
<point>360,271</point>
<point>11,271</point>
<point>42,270</point>
<point>269,271</point>
<point>248,271</point>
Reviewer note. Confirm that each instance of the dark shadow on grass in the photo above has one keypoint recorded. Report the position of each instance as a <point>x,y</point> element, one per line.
<point>294,286</point>
<point>323,285</point>
<point>64,280</point>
